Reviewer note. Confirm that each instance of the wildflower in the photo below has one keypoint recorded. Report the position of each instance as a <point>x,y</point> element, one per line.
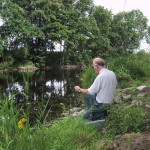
<point>23,120</point>
<point>20,123</point>
<point>20,126</point>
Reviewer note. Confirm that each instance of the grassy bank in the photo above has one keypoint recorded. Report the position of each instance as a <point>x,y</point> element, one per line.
<point>122,125</point>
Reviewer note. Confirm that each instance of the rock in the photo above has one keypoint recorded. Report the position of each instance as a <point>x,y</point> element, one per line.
<point>136,103</point>
<point>118,99</point>
<point>126,91</point>
<point>146,89</point>
<point>141,88</point>
<point>75,109</point>
<point>127,97</point>
<point>141,95</point>
<point>75,114</point>
<point>147,106</point>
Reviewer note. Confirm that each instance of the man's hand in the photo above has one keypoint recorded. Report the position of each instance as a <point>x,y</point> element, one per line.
<point>80,90</point>
<point>77,88</point>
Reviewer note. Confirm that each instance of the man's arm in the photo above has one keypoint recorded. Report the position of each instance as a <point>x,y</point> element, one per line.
<point>80,90</point>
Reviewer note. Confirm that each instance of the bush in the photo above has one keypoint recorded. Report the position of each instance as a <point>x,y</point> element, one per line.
<point>122,119</point>
<point>129,67</point>
<point>88,77</point>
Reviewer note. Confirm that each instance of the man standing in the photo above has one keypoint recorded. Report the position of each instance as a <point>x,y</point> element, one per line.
<point>102,91</point>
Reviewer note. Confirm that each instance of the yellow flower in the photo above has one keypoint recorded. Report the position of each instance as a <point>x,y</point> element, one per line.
<point>20,123</point>
<point>20,126</point>
<point>23,120</point>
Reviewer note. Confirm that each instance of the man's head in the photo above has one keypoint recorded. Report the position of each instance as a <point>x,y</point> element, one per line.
<point>98,64</point>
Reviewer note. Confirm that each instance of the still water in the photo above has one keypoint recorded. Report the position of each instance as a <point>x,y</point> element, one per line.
<point>41,92</point>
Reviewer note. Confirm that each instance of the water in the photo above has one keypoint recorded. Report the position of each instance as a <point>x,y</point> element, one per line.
<point>41,93</point>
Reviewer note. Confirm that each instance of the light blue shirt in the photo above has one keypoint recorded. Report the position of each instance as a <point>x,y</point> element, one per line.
<point>104,86</point>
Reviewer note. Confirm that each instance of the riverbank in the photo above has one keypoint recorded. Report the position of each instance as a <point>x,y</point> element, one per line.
<point>127,127</point>
<point>33,68</point>
<point>130,99</point>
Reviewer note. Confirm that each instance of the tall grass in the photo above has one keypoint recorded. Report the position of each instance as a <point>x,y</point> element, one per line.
<point>9,117</point>
<point>65,134</point>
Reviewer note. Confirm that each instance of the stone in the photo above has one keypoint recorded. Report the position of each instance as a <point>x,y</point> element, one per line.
<point>141,95</point>
<point>127,97</point>
<point>75,109</point>
<point>147,106</point>
<point>141,88</point>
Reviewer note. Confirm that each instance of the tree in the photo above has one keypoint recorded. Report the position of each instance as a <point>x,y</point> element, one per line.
<point>17,30</point>
<point>103,19</point>
<point>127,31</point>
<point>148,37</point>
<point>38,25</point>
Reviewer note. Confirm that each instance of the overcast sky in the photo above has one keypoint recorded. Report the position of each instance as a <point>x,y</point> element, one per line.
<point>126,5</point>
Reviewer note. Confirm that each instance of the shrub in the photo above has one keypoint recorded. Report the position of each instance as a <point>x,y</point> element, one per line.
<point>122,119</point>
<point>88,77</point>
<point>131,66</point>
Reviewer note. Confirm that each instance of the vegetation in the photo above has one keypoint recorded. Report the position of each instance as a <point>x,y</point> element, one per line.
<point>131,71</point>
<point>69,133</point>
<point>29,35</point>
<point>75,133</point>
<point>80,29</point>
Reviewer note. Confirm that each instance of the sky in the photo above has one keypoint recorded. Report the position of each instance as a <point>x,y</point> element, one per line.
<point>127,5</point>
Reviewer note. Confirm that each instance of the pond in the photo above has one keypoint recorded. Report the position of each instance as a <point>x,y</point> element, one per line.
<point>42,94</point>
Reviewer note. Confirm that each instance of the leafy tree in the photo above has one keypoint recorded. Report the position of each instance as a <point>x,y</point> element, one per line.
<point>148,37</point>
<point>1,48</point>
<point>128,29</point>
<point>32,27</point>
<point>17,30</point>
<point>103,19</point>
<point>38,25</point>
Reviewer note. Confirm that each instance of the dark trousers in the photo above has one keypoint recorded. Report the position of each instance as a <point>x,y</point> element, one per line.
<point>94,109</point>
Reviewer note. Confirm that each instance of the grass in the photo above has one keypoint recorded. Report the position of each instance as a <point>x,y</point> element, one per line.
<point>63,134</point>
<point>70,133</point>
<point>67,134</point>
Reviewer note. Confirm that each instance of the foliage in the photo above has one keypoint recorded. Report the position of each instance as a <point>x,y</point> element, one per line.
<point>88,77</point>
<point>66,134</point>
<point>20,56</point>
<point>128,29</point>
<point>8,125</point>
<point>127,69</point>
<point>103,18</point>
<point>81,29</point>
<point>1,48</point>
<point>133,66</point>
<point>39,25</point>
<point>123,119</point>
<point>144,58</point>
<point>71,133</point>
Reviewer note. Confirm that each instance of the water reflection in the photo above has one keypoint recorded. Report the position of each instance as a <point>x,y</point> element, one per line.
<point>55,86</point>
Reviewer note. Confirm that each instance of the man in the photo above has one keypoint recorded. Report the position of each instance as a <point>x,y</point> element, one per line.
<point>102,91</point>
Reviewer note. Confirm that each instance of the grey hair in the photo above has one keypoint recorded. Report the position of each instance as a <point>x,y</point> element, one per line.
<point>99,61</point>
